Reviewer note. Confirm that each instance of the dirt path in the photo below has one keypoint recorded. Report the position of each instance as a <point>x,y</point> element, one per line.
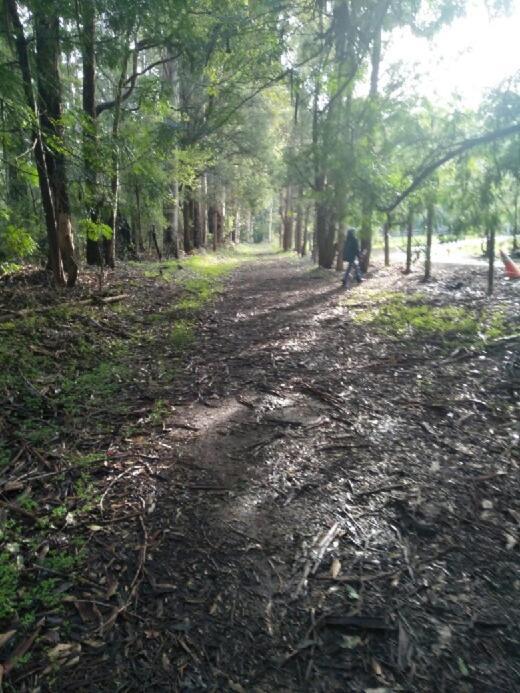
<point>330,509</point>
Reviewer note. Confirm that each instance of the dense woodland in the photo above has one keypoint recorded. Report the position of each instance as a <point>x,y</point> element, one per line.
<point>136,127</point>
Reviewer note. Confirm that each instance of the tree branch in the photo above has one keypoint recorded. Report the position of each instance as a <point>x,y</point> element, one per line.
<point>456,151</point>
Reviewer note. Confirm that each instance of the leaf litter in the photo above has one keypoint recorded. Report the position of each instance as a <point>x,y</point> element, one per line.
<point>316,503</point>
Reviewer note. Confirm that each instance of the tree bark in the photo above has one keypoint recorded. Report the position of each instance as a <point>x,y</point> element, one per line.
<point>386,236</point>
<point>339,257</point>
<point>203,209</point>
<point>88,55</point>
<point>429,237</point>
<point>299,223</point>
<point>235,237</point>
<point>138,240</point>
<point>188,218</point>
<point>325,233</point>
<point>39,150</point>
<point>46,26</point>
<point>366,237</point>
<point>287,221</point>
<point>409,234</point>
<point>306,230</point>
<point>109,245</point>
<point>491,261</point>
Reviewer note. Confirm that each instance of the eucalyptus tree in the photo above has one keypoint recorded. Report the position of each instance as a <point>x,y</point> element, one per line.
<point>39,65</point>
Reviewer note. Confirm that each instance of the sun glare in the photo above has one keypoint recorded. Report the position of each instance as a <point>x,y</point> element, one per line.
<point>475,53</point>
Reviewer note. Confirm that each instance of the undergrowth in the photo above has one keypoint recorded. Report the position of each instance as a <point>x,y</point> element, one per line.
<point>73,378</point>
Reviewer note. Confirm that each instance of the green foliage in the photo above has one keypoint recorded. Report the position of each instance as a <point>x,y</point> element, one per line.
<point>15,243</point>
<point>9,574</point>
<point>95,231</point>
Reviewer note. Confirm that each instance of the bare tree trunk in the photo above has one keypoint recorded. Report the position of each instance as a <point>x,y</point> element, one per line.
<point>299,223</point>
<point>288,221</point>
<point>386,237</point>
<point>203,210</point>
<point>339,257</point>
<point>270,224</point>
<point>214,224</point>
<point>88,54</point>
<point>491,262</point>
<point>153,238</point>
<point>139,242</point>
<point>409,234</point>
<point>46,25</point>
<point>236,227</point>
<point>187,217</point>
<point>306,230</point>
<point>222,234</point>
<point>110,243</point>
<point>249,226</point>
<point>429,236</point>
<point>515,219</point>
<point>39,150</point>
<point>325,234</point>
<point>197,222</point>
<point>366,237</point>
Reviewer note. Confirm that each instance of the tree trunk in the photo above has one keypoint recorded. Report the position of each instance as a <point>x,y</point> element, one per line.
<point>153,239</point>
<point>287,221</point>
<point>197,222</point>
<point>110,243</point>
<point>299,223</point>
<point>429,236</point>
<point>203,210</point>
<point>366,238</point>
<point>139,242</point>
<point>39,151</point>
<point>270,224</point>
<point>515,219</point>
<point>306,230</point>
<point>171,74</point>
<point>409,234</point>
<point>187,217</point>
<point>491,262</point>
<point>386,236</point>
<point>249,226</point>
<point>325,234</point>
<point>339,257</point>
<point>90,124</point>
<point>46,26</point>
<point>236,227</point>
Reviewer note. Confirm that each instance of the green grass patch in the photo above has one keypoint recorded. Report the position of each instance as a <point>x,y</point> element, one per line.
<point>403,315</point>
<point>183,334</point>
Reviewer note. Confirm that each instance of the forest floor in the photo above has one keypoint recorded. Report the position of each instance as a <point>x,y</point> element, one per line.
<point>260,483</point>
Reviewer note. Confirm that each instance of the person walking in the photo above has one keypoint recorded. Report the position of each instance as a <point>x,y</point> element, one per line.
<point>351,254</point>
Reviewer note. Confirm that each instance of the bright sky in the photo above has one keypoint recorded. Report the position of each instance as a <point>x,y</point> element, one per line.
<point>474,53</point>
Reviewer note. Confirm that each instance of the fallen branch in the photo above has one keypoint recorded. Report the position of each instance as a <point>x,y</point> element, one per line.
<point>134,585</point>
<point>379,489</point>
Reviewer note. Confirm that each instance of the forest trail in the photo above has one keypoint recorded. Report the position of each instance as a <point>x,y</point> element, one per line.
<point>326,507</point>
<point>318,521</point>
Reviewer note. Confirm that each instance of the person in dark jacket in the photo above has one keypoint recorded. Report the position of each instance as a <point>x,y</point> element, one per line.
<point>351,255</point>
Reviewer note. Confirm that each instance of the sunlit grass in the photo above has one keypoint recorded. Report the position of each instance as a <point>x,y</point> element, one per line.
<point>404,315</point>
